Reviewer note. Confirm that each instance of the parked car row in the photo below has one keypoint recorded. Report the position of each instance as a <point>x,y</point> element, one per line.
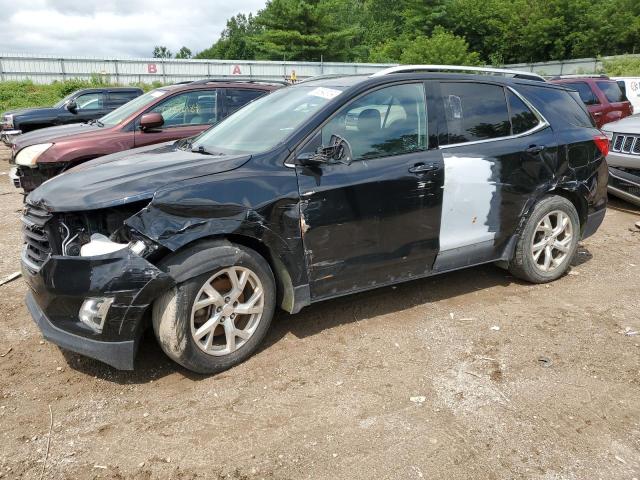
<point>163,114</point>
<point>80,106</point>
<point>329,187</point>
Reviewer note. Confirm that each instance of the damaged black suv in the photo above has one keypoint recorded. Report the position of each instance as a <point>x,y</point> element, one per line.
<point>326,188</point>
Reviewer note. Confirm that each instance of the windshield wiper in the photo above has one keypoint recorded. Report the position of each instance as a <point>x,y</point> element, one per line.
<point>204,151</point>
<point>96,122</point>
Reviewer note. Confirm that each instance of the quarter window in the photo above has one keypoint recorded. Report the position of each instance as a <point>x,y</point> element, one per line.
<point>522,118</point>
<point>189,108</point>
<point>475,111</point>
<point>612,91</point>
<point>585,92</point>
<point>386,122</point>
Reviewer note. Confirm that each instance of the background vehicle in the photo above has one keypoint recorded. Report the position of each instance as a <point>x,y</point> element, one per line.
<point>624,158</point>
<point>630,86</point>
<point>322,189</point>
<point>602,96</point>
<point>81,106</point>
<point>167,113</point>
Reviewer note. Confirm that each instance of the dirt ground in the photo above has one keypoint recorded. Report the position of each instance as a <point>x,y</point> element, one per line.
<point>469,375</point>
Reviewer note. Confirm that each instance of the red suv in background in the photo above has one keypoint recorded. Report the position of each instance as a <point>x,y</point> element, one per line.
<point>602,96</point>
<point>161,115</point>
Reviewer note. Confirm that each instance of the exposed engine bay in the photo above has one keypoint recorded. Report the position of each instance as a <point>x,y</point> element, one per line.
<point>93,233</point>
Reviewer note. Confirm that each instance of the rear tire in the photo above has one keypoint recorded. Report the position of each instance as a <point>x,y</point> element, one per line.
<point>216,320</point>
<point>548,242</point>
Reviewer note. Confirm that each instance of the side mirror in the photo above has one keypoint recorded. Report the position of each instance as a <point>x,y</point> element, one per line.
<point>312,159</point>
<point>151,121</point>
<point>72,106</point>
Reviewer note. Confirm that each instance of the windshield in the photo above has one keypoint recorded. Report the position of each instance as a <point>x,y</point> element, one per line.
<point>264,123</point>
<point>123,112</point>
<point>64,100</point>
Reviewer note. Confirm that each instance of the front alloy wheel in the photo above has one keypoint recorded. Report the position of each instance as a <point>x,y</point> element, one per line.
<point>215,320</point>
<point>227,310</point>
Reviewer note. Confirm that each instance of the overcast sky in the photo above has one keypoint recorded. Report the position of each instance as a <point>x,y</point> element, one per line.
<point>122,28</point>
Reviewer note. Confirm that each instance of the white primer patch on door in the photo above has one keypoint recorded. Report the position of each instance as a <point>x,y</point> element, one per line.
<point>469,188</point>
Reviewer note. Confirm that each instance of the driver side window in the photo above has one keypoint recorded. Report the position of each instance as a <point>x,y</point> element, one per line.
<point>90,101</point>
<point>387,122</point>
<point>189,108</point>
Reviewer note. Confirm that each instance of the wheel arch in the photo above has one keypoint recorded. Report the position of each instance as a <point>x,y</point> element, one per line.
<point>578,201</point>
<point>285,290</point>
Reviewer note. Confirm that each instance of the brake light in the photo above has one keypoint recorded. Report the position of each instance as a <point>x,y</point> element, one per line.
<point>602,143</point>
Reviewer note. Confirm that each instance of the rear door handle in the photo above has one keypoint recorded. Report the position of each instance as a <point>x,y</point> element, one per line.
<point>423,167</point>
<point>535,149</point>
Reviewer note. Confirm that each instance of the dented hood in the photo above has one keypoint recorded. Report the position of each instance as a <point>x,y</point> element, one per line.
<point>127,176</point>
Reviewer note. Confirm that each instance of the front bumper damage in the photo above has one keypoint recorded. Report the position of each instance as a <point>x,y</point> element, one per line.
<point>59,287</point>
<point>625,185</point>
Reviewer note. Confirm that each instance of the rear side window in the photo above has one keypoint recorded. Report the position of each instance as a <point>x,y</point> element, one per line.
<point>585,92</point>
<point>623,87</point>
<point>120,98</point>
<point>557,105</point>
<point>612,91</point>
<point>475,111</point>
<point>239,97</point>
<point>522,118</point>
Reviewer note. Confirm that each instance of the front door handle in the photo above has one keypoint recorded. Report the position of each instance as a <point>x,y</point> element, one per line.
<point>533,149</point>
<point>423,167</point>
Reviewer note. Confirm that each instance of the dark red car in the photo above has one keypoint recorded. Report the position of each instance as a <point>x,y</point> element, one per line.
<point>161,115</point>
<point>602,96</point>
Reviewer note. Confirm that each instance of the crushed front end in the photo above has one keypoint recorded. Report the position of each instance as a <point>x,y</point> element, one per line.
<point>91,280</point>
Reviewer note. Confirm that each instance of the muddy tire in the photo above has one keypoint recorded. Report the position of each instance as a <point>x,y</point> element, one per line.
<point>216,320</point>
<point>548,242</point>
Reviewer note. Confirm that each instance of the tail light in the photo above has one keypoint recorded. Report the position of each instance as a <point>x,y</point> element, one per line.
<point>602,142</point>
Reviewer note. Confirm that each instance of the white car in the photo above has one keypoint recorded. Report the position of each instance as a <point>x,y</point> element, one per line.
<point>630,86</point>
<point>624,158</point>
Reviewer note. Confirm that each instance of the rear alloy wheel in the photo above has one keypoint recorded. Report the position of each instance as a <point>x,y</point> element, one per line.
<point>216,320</point>
<point>548,241</point>
<point>551,242</point>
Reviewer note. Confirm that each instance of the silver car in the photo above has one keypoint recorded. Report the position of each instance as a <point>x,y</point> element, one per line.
<point>624,158</point>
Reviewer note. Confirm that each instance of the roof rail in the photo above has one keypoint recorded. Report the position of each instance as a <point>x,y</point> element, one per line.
<point>459,68</point>
<point>238,79</point>
<point>328,76</point>
<point>577,75</point>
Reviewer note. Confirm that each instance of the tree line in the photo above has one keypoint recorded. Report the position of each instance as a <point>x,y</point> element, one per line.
<point>430,31</point>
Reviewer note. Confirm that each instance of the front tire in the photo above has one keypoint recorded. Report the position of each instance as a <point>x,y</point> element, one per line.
<point>216,320</point>
<point>548,242</point>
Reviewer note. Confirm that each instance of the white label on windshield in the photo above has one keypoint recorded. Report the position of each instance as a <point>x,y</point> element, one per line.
<point>157,93</point>
<point>327,93</point>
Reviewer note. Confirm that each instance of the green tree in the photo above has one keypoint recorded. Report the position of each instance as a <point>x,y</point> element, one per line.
<point>235,41</point>
<point>441,48</point>
<point>160,51</point>
<point>183,53</point>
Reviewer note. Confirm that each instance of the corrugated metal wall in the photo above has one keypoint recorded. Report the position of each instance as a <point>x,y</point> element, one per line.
<point>567,67</point>
<point>46,69</point>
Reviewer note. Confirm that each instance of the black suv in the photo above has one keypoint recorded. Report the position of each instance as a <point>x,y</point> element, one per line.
<point>80,106</point>
<point>326,188</point>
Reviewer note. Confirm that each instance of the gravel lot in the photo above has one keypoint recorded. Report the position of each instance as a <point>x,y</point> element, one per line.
<point>469,375</point>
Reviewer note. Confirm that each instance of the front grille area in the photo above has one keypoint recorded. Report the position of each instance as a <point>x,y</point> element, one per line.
<point>37,245</point>
<point>627,144</point>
